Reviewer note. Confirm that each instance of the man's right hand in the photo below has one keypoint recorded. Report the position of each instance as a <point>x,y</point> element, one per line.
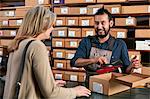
<point>82,91</point>
<point>101,60</point>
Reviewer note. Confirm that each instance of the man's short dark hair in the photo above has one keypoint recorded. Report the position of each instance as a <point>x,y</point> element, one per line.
<point>102,11</point>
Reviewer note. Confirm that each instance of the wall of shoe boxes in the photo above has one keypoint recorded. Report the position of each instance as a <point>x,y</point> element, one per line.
<point>75,20</point>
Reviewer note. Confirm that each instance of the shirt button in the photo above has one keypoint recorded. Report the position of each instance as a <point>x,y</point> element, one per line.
<point>112,57</point>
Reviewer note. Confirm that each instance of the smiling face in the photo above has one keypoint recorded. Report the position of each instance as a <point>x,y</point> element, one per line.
<point>102,25</point>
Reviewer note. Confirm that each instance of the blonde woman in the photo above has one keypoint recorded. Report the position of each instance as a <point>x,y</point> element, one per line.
<point>37,79</point>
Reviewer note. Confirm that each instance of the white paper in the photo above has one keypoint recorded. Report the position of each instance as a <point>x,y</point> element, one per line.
<point>83,10</point>
<point>71,34</point>
<point>70,56</point>
<point>129,21</point>
<point>73,78</point>
<point>40,1</point>
<point>58,76</point>
<point>59,44</point>
<point>19,22</point>
<point>13,33</point>
<point>95,10</point>
<point>138,70</point>
<point>97,87</point>
<point>71,22</point>
<point>6,13</point>
<point>89,1</point>
<point>61,33</point>
<point>121,35</point>
<point>64,10</point>
<point>56,1</point>
<point>11,13</point>
<point>75,68</point>
<point>5,23</point>
<point>59,54</point>
<point>149,8</point>
<point>85,22</point>
<point>115,10</point>
<point>59,65</point>
<point>89,33</point>
<point>59,22</point>
<point>1,52</point>
<point>0,59</point>
<point>73,44</point>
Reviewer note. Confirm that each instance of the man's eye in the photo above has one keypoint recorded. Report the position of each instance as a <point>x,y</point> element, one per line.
<point>96,23</point>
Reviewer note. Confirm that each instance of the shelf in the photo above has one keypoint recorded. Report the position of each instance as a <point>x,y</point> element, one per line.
<point>9,27</point>
<point>53,68</point>
<point>7,37</point>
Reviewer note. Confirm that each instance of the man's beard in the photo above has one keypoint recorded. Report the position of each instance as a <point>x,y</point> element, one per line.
<point>100,35</point>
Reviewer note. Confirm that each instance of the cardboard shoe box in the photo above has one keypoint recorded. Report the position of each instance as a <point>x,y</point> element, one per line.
<point>82,77</point>
<point>136,9</point>
<point>60,32</point>
<point>130,21</point>
<point>105,84</point>
<point>21,11</point>
<point>70,54</point>
<point>77,10</point>
<point>119,33</point>
<point>58,42</point>
<point>58,74</point>
<point>72,21</point>
<point>142,33</point>
<point>86,21</point>
<point>108,1</point>
<point>80,1</point>
<point>88,32</point>
<point>60,21</point>
<point>71,76</point>
<point>113,9</point>
<point>59,53</point>
<point>36,2</point>
<point>61,10</point>
<point>92,9</point>
<point>71,43</point>
<point>74,32</point>
<point>60,64</point>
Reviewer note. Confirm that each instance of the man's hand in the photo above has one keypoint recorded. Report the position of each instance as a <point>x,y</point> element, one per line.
<point>60,83</point>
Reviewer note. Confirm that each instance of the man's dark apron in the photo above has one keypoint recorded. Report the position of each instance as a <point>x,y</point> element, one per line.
<point>96,52</point>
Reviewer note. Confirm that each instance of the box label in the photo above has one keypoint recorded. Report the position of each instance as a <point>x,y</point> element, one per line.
<point>0,59</point>
<point>59,54</point>
<point>95,10</point>
<point>5,22</point>
<point>11,13</point>
<point>73,44</point>
<point>89,1</point>
<point>59,44</point>
<point>19,22</point>
<point>97,87</point>
<point>89,33</point>
<point>115,10</point>
<point>138,70</point>
<point>56,1</point>
<point>85,22</point>
<point>58,76</point>
<point>59,65</point>
<point>75,68</point>
<point>59,22</point>
<point>83,10</point>
<point>71,22</point>
<point>121,35</point>
<point>1,33</point>
<point>40,1</point>
<point>71,34</point>
<point>73,78</point>
<point>129,21</point>
<point>148,8</point>
<point>13,33</point>
<point>70,56</point>
<point>61,33</point>
<point>64,10</point>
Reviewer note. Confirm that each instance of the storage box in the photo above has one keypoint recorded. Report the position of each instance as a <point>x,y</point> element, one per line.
<point>9,33</point>
<point>86,21</point>
<point>60,21</point>
<point>61,10</point>
<point>71,76</point>
<point>58,74</point>
<point>108,1</point>
<point>36,2</point>
<point>77,10</point>
<point>92,9</point>
<point>21,12</point>
<point>80,1</point>
<point>5,42</point>
<point>59,53</point>
<point>82,77</point>
<point>136,9</point>
<point>142,33</point>
<point>88,32</point>
<point>119,33</point>
<point>72,21</point>
<point>8,13</point>
<point>74,32</point>
<point>105,84</point>
<point>17,22</point>
<point>70,54</point>
<point>58,42</point>
<point>60,32</point>
<point>71,43</point>
<point>113,9</point>
<point>1,32</point>
<point>130,21</point>
<point>60,64</point>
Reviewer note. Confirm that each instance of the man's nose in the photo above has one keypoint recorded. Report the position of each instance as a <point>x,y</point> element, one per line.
<point>100,26</point>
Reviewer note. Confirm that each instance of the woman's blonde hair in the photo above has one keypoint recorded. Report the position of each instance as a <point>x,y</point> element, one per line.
<point>36,21</point>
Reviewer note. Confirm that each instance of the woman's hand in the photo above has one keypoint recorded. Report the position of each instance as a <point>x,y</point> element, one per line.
<point>60,83</point>
<point>82,91</point>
